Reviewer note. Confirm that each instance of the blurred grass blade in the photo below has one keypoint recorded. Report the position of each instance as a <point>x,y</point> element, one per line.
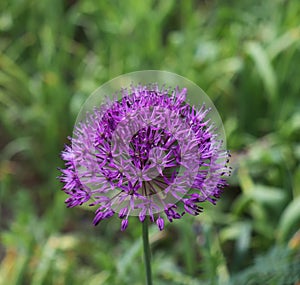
<point>268,195</point>
<point>264,67</point>
<point>284,42</point>
<point>13,267</point>
<point>289,221</point>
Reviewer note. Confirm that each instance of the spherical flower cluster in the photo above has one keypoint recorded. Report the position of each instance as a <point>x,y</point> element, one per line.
<point>146,154</point>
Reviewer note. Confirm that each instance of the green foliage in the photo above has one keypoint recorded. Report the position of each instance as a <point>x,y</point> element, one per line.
<point>244,54</point>
<point>276,267</point>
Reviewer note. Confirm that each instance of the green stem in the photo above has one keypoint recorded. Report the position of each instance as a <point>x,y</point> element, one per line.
<point>147,254</point>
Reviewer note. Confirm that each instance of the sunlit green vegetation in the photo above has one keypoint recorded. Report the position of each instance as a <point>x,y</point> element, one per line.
<point>244,54</point>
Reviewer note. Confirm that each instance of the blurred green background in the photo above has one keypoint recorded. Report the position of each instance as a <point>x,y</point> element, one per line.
<point>244,54</point>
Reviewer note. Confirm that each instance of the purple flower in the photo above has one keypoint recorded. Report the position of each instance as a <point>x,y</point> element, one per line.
<point>148,153</point>
<point>124,225</point>
<point>160,223</point>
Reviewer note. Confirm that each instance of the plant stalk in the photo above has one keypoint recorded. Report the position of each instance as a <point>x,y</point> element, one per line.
<point>147,253</point>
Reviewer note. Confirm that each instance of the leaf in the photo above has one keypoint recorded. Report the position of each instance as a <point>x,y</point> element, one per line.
<point>284,42</point>
<point>289,221</point>
<point>296,183</point>
<point>13,266</point>
<point>264,67</point>
<point>268,195</point>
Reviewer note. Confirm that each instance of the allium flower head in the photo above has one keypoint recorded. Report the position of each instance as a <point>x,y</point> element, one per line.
<point>148,153</point>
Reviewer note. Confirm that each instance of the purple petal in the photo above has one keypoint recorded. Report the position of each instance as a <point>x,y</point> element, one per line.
<point>124,225</point>
<point>160,223</point>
